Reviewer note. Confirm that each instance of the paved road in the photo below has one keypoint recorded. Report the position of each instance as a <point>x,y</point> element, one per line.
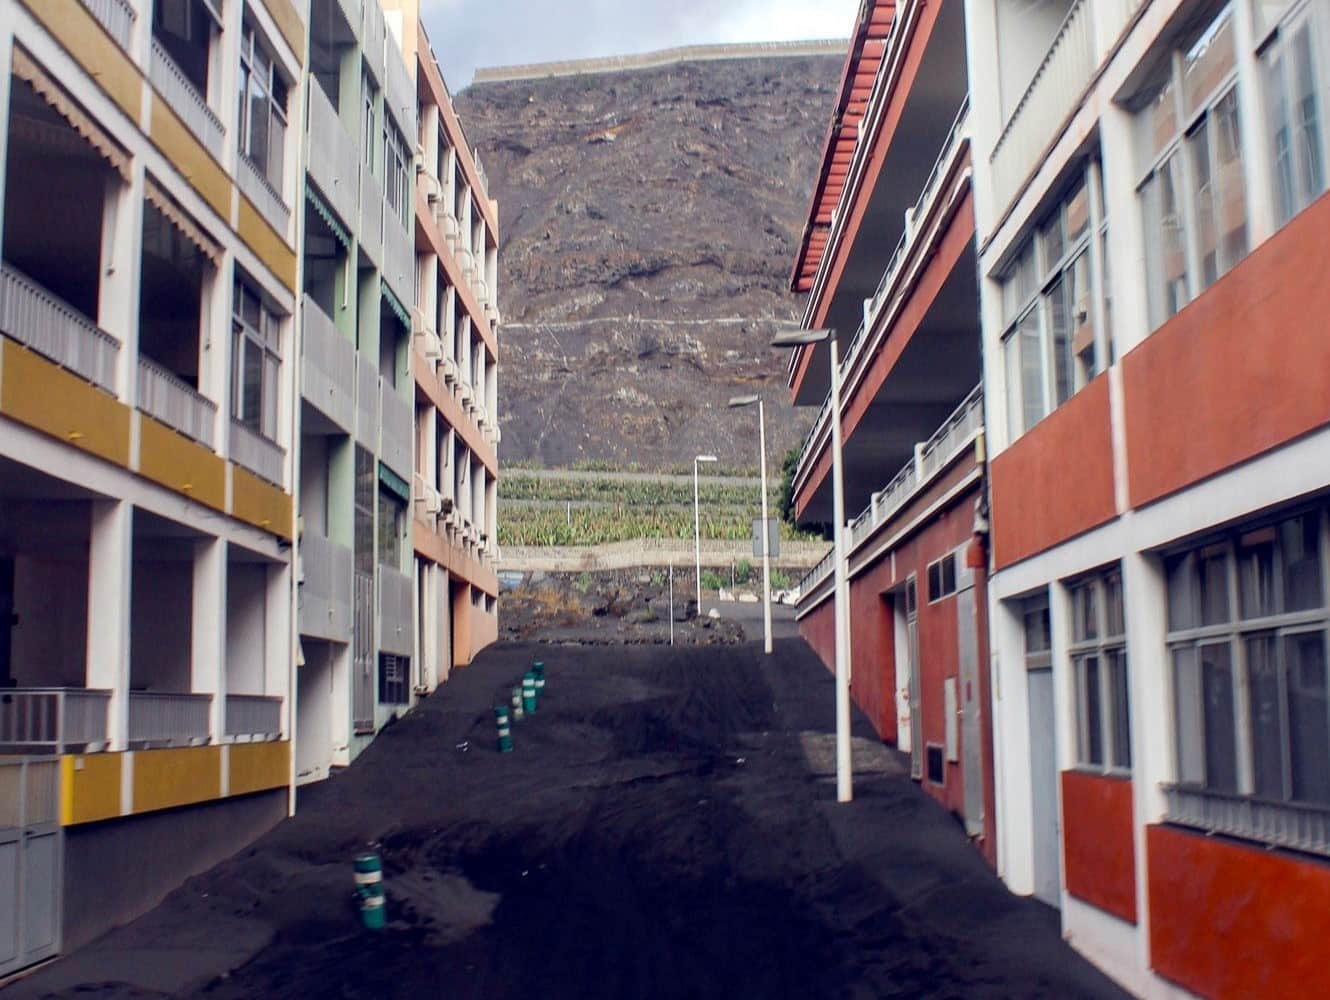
<point>667,828</point>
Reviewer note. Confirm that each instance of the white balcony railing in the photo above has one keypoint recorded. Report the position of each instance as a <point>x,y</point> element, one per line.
<point>395,632</point>
<point>182,97</point>
<point>52,720</point>
<point>266,198</point>
<point>399,257</point>
<point>399,88</point>
<point>34,317</point>
<point>257,454</point>
<point>161,719</point>
<point>373,30</point>
<point>328,367</point>
<point>116,16</point>
<point>1289,825</point>
<point>253,718</point>
<point>326,572</point>
<point>164,396</point>
<point>367,403</point>
<point>334,159</point>
<point>931,457</point>
<point>371,214</point>
<point>397,427</point>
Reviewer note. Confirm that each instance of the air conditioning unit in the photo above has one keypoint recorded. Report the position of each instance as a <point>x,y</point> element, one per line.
<point>446,505</point>
<point>482,290</point>
<point>464,393</point>
<point>491,312</point>
<point>419,321</point>
<point>449,367</point>
<point>433,346</point>
<point>433,501</point>
<point>433,189</point>
<point>452,519</point>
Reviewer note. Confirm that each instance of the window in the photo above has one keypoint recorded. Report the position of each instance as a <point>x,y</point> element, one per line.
<point>1291,80</point>
<point>369,98</point>
<point>1038,629</point>
<point>364,511</point>
<point>392,515</point>
<point>185,29</point>
<point>255,360</point>
<point>1099,667</point>
<point>394,679</point>
<point>1247,619</point>
<point>942,578</point>
<point>396,168</point>
<point>1052,345</point>
<point>1193,193</point>
<point>262,117</point>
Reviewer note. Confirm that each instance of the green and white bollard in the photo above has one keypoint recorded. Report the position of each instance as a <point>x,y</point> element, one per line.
<point>538,668</point>
<point>529,693</point>
<point>369,888</point>
<point>505,730</point>
<point>518,713</point>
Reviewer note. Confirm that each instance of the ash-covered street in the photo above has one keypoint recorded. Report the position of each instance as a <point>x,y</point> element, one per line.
<point>667,827</point>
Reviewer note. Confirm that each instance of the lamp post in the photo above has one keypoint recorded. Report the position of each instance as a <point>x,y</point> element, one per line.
<point>697,528</point>
<point>844,779</point>
<point>739,401</point>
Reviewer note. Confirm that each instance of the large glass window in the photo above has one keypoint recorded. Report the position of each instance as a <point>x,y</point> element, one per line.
<point>1291,74</point>
<point>391,522</point>
<point>1193,193</point>
<point>1099,666</point>
<point>256,360</point>
<point>1052,345</point>
<point>1248,618</point>
<point>262,118</point>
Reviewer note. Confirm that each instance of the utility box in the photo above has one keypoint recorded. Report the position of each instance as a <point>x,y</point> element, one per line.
<point>773,537</point>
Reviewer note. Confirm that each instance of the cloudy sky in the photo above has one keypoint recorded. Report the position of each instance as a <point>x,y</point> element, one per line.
<point>467,34</point>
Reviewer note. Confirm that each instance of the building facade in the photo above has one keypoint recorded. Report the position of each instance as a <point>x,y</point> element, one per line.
<point>1148,182</point>
<point>888,257</point>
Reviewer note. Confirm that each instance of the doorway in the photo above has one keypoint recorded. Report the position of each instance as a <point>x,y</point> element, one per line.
<point>1045,819</point>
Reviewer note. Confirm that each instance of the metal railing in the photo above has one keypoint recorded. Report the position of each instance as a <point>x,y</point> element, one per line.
<point>334,157</point>
<point>1281,824</point>
<point>399,256</point>
<point>326,575</point>
<point>175,403</point>
<point>328,367</point>
<point>116,16</point>
<point>395,632</point>
<point>256,453</point>
<point>184,99</point>
<point>931,457</point>
<point>367,403</point>
<point>397,428</point>
<point>162,719</point>
<point>36,318</point>
<point>253,718</point>
<point>266,198</point>
<point>52,720</point>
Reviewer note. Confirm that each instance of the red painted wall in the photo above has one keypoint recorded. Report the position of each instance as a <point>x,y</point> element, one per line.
<point>1241,370</point>
<point>1228,920</point>
<point>1056,481</point>
<point>819,631</point>
<point>1098,844</point>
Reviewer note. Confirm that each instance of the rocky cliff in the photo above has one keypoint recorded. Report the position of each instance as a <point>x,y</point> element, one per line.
<point>648,222</point>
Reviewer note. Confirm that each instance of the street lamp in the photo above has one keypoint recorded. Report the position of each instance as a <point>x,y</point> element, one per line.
<point>697,528</point>
<point>800,338</point>
<point>736,402</point>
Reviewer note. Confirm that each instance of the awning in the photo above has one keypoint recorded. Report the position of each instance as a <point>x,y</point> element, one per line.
<point>25,68</point>
<point>326,214</point>
<point>394,483</point>
<point>395,304</point>
<point>177,216</point>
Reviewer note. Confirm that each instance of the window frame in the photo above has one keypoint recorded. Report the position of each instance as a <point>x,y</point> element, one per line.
<point>941,593</point>
<point>397,161</point>
<point>1100,646</point>
<point>254,51</point>
<point>267,340</point>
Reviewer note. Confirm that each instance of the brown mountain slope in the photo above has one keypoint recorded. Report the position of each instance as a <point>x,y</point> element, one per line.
<point>648,221</point>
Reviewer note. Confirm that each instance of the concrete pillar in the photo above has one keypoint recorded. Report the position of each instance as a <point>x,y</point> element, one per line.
<point>208,632</point>
<point>110,555</point>
<point>120,267</point>
<point>279,655</point>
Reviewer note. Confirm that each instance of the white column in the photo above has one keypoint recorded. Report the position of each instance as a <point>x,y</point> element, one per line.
<point>110,554</point>
<point>208,632</point>
<point>279,653</point>
<point>120,266</point>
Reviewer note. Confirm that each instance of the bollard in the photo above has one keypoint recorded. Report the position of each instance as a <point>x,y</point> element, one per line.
<point>369,889</point>
<point>518,714</point>
<point>529,693</point>
<point>505,731</point>
<point>538,668</point>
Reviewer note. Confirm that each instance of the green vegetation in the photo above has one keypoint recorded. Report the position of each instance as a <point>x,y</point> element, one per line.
<point>780,580</point>
<point>645,494</point>
<point>531,525</point>
<point>711,580</point>
<point>785,492</point>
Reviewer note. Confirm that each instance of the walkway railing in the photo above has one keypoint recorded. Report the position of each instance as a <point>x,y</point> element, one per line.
<point>52,720</point>
<point>326,570</point>
<point>397,428</point>
<point>1282,824</point>
<point>257,454</point>
<point>367,403</point>
<point>395,632</point>
<point>334,159</point>
<point>399,256</point>
<point>371,214</point>
<point>328,368</point>
<point>266,198</point>
<point>160,719</point>
<point>175,403</point>
<point>184,99</point>
<point>253,718</point>
<point>35,317</point>
<point>116,16</point>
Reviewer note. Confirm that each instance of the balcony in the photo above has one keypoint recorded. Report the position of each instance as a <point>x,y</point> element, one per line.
<point>253,718</point>
<point>257,454</point>
<point>373,31</point>
<point>399,90</point>
<point>266,198</point>
<point>333,160</point>
<point>116,16</point>
<point>53,720</point>
<point>176,404</point>
<point>395,632</point>
<point>367,404</point>
<point>326,570</point>
<point>352,12</point>
<point>328,367</point>
<point>371,214</point>
<point>185,100</point>
<point>34,317</point>
<point>399,257</point>
<point>160,719</point>
<point>397,427</point>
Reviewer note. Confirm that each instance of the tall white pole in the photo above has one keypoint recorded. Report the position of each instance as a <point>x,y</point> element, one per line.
<point>844,776</point>
<point>671,602</point>
<point>697,541</point>
<point>766,540</point>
